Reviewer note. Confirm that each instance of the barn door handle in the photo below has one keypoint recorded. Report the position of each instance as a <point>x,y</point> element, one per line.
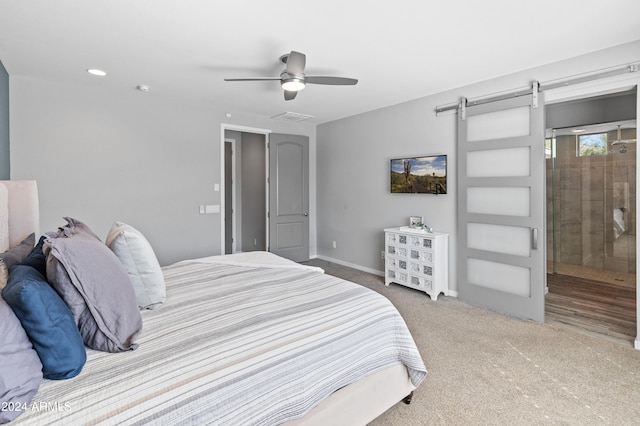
<point>305,214</point>
<point>534,238</point>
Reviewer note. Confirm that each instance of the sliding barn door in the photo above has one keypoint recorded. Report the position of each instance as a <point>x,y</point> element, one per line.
<point>501,205</point>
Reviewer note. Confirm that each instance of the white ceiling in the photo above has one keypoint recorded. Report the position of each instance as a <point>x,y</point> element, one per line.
<point>399,50</point>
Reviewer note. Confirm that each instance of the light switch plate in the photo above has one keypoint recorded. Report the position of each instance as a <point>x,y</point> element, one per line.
<point>212,208</point>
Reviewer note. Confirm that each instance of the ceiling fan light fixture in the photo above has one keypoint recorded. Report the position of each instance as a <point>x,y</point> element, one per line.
<point>293,84</point>
<point>97,72</point>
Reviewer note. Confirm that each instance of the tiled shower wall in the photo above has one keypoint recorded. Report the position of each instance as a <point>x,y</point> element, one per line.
<point>582,193</point>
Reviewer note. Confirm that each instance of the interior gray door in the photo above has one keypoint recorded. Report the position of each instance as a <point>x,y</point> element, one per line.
<point>289,196</point>
<point>501,173</point>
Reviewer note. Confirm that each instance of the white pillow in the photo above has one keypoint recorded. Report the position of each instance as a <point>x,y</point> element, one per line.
<point>138,258</point>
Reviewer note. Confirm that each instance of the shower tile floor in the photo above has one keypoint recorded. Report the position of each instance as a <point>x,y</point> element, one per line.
<point>612,277</point>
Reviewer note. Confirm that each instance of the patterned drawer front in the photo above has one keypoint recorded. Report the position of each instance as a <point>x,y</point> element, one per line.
<point>391,274</point>
<point>422,256</point>
<point>392,238</point>
<point>391,249</point>
<point>401,277</point>
<point>402,239</point>
<point>392,263</point>
<point>402,264</point>
<point>428,284</point>
<point>427,270</point>
<point>427,243</point>
<point>401,251</point>
<point>424,283</point>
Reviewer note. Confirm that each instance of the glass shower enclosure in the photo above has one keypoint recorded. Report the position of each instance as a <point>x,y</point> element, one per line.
<point>591,193</point>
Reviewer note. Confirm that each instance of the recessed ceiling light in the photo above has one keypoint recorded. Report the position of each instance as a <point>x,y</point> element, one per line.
<point>95,71</point>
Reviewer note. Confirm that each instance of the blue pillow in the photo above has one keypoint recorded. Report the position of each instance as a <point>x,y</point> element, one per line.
<point>47,321</point>
<point>36,259</point>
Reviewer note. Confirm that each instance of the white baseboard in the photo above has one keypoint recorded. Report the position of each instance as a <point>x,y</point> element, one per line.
<point>350,265</point>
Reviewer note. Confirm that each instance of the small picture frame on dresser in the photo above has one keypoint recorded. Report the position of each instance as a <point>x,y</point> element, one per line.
<point>416,221</point>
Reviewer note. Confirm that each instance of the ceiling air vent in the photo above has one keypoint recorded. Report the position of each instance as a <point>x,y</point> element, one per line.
<point>291,117</point>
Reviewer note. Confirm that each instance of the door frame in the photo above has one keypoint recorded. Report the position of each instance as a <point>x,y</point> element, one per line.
<point>602,87</point>
<point>245,129</point>
<point>233,195</point>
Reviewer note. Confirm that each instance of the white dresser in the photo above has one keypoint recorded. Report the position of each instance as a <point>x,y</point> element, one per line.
<point>417,259</point>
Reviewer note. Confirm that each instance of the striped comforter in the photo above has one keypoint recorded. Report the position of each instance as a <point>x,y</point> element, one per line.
<point>237,343</point>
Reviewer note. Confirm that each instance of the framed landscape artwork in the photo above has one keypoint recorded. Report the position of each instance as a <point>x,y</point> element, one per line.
<point>419,175</point>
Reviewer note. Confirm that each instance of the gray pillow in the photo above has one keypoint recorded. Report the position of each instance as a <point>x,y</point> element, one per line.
<point>94,284</point>
<point>14,256</point>
<point>21,371</point>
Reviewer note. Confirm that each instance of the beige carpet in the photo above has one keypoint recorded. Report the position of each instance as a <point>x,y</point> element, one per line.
<point>485,368</point>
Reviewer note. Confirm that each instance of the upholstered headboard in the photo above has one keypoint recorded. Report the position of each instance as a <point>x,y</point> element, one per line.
<point>19,212</point>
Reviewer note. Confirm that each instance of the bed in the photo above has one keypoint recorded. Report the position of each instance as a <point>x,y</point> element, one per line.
<point>249,338</point>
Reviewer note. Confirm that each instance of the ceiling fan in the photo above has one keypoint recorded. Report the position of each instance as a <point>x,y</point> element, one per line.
<point>293,79</point>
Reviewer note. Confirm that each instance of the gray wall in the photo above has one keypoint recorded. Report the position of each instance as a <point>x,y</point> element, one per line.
<point>353,192</point>
<point>600,109</point>
<point>353,198</point>
<point>102,154</point>
<point>5,172</point>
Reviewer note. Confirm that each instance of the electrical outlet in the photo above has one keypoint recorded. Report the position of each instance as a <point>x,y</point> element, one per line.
<point>333,244</point>
<point>382,255</point>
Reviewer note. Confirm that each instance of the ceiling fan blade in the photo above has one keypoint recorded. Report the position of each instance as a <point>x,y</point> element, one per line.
<point>289,95</point>
<point>339,81</point>
<point>296,62</point>
<point>252,79</point>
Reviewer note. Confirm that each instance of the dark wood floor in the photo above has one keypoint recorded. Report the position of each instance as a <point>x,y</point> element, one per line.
<point>595,306</point>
